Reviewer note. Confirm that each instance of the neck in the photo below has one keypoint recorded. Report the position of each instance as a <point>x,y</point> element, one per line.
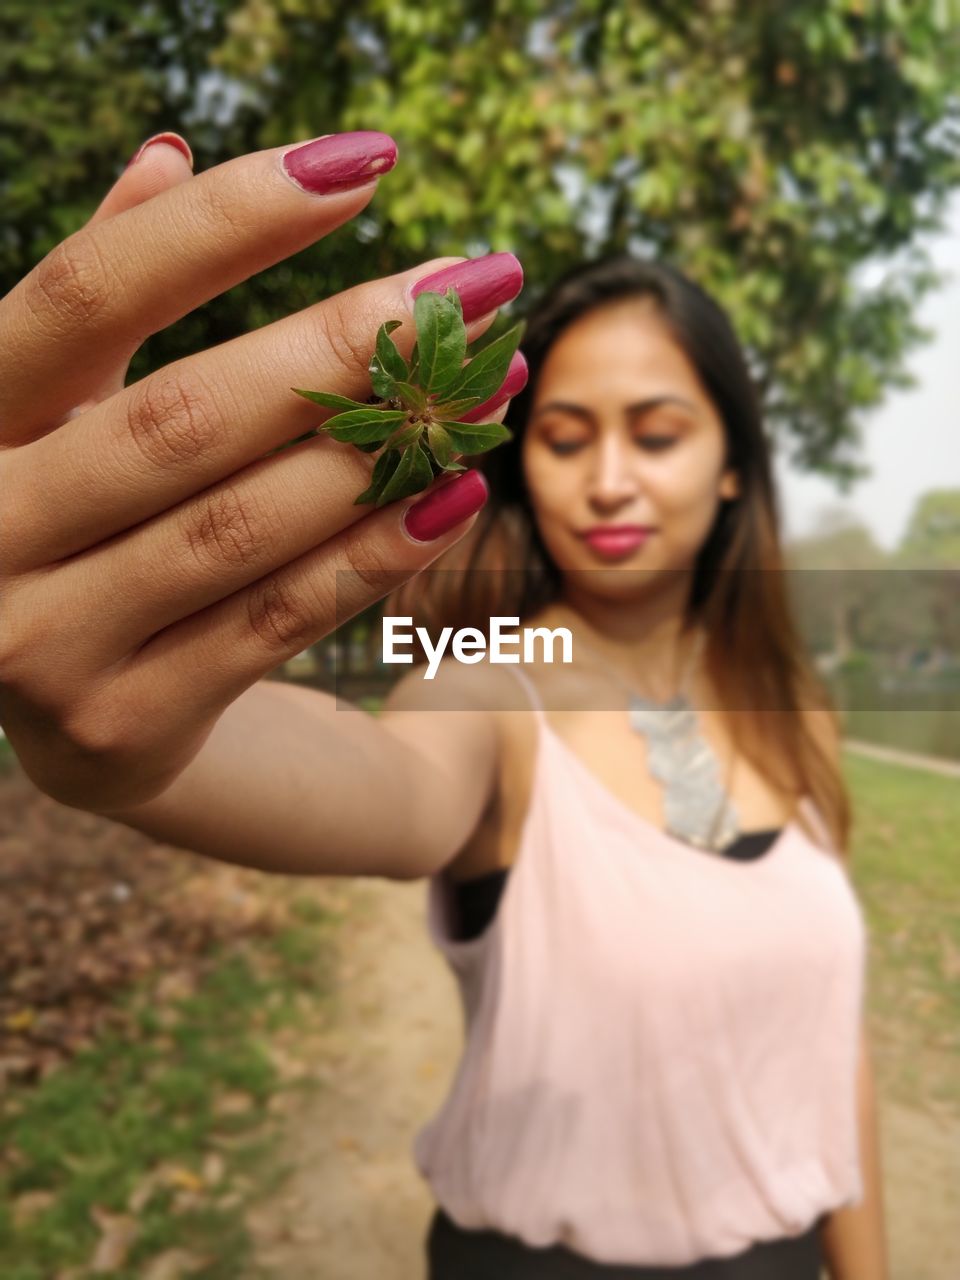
<point>643,640</point>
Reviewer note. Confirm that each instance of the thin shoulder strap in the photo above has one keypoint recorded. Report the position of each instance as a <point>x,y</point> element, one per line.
<point>531,690</point>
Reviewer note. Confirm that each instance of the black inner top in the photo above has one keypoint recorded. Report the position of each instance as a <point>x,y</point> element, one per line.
<point>475,900</point>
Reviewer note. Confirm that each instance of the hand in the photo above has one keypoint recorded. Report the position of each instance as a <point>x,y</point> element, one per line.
<point>158,556</point>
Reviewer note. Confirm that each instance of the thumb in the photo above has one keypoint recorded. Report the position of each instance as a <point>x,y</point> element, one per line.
<point>162,162</point>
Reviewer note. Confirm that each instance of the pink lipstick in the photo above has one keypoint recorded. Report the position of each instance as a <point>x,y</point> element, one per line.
<point>615,542</point>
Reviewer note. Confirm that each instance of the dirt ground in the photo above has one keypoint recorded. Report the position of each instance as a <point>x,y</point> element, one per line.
<point>355,1207</point>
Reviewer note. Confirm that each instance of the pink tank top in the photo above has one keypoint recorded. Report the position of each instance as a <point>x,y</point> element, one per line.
<point>661,1043</point>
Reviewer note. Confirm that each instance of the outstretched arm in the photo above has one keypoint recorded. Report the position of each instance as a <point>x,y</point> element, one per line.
<point>291,781</point>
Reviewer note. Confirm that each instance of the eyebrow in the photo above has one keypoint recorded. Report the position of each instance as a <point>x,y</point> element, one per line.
<point>631,410</point>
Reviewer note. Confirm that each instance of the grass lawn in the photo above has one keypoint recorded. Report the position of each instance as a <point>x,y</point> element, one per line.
<point>156,1142</point>
<point>906,868</point>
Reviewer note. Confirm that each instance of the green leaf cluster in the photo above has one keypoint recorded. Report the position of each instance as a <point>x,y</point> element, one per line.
<point>415,425</point>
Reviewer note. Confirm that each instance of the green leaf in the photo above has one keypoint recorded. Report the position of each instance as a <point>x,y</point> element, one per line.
<point>476,437</point>
<point>384,468</point>
<point>442,342</point>
<point>412,395</point>
<point>329,400</point>
<point>387,367</point>
<point>454,299</point>
<point>412,474</point>
<point>440,446</point>
<point>454,408</point>
<point>404,435</point>
<point>485,373</point>
<point>361,426</point>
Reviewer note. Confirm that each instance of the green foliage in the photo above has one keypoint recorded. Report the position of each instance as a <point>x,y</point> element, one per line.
<point>767,149</point>
<point>932,537</point>
<point>416,423</point>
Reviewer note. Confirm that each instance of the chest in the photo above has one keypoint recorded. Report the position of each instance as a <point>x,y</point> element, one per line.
<point>615,758</point>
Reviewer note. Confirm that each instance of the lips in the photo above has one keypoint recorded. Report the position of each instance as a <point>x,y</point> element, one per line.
<point>616,541</point>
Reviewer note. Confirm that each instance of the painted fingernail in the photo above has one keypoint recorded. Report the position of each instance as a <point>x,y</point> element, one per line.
<point>171,139</point>
<point>515,381</point>
<point>445,506</point>
<point>340,161</point>
<point>482,283</point>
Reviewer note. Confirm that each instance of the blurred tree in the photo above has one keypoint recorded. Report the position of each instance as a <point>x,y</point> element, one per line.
<point>837,584</point>
<point>931,548</point>
<point>84,84</point>
<point>932,536</point>
<point>770,150</point>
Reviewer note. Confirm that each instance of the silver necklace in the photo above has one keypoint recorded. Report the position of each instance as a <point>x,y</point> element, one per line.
<point>697,807</point>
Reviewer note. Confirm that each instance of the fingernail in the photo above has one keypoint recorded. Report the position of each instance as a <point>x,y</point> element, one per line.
<point>515,381</point>
<point>482,283</point>
<point>445,506</point>
<point>171,139</point>
<point>339,161</point>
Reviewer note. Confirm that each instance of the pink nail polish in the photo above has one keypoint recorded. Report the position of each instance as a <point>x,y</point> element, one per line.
<point>340,161</point>
<point>482,283</point>
<point>446,506</point>
<point>515,381</point>
<point>171,139</point>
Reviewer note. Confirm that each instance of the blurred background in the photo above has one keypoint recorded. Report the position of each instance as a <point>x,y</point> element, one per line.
<point>168,1071</point>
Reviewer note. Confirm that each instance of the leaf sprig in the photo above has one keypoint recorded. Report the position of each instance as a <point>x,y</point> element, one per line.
<point>415,417</point>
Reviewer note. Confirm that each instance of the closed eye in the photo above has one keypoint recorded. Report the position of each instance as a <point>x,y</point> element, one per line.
<point>652,443</point>
<point>655,443</point>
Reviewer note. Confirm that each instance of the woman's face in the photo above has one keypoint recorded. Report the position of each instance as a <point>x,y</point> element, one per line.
<point>623,452</point>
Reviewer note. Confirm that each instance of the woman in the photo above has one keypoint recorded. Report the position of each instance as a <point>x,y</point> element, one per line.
<point>662,1027</point>
<point>192,559</point>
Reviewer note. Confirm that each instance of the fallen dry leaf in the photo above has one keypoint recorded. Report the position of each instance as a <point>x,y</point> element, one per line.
<point>22,1020</point>
<point>184,1178</point>
<point>172,1265</point>
<point>214,1168</point>
<point>949,959</point>
<point>186,1202</point>
<point>29,1203</point>
<point>142,1193</point>
<point>233,1103</point>
<point>118,1232</point>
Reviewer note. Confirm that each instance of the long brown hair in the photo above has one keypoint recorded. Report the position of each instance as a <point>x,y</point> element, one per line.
<point>754,655</point>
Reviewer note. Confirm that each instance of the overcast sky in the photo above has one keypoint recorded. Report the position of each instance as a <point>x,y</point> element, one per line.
<point>912,441</point>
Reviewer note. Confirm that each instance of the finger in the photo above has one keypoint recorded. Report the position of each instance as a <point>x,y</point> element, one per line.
<point>199,420</point>
<point>163,162</point>
<point>514,382</point>
<point>211,547</point>
<point>133,274</point>
<point>212,657</point>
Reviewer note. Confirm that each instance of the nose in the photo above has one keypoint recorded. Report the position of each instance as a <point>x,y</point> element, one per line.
<point>613,479</point>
